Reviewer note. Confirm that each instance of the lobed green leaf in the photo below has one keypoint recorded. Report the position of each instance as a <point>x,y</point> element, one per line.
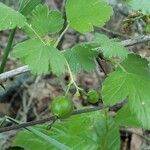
<point>10,18</point>
<point>132,80</point>
<point>81,58</point>
<point>111,48</point>
<point>82,15</point>
<point>44,21</point>
<point>40,57</point>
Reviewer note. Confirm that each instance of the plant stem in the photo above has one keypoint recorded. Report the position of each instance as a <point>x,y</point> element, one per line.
<point>7,50</point>
<point>61,35</point>
<point>38,36</point>
<point>68,88</point>
<point>72,81</point>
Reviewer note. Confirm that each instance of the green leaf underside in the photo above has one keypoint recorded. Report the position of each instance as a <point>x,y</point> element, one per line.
<point>87,131</point>
<point>41,58</point>
<point>43,22</point>
<point>134,84</point>
<point>26,6</point>
<point>81,58</point>
<point>125,117</point>
<point>142,5</point>
<point>109,47</point>
<point>10,18</point>
<point>82,15</point>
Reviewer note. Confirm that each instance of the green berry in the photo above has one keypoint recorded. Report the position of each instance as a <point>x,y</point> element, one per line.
<point>92,96</point>
<point>61,106</point>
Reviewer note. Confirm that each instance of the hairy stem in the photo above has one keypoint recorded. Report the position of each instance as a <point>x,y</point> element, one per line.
<point>7,50</point>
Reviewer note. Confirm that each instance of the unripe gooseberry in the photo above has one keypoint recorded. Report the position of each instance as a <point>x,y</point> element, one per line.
<point>92,96</point>
<point>61,106</point>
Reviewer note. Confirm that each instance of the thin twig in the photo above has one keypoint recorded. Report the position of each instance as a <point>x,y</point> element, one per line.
<point>24,125</point>
<point>137,40</point>
<point>101,66</point>
<point>114,32</point>
<point>15,72</point>
<point>23,69</point>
